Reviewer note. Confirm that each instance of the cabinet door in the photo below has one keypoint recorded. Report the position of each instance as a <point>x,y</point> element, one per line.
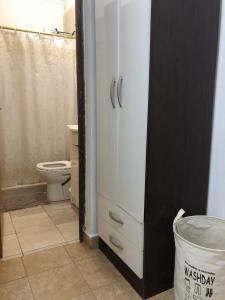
<point>107,69</point>
<point>134,58</point>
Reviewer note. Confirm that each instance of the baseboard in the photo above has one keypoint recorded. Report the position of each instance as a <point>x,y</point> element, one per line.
<point>91,241</point>
<point>76,209</point>
<point>24,196</point>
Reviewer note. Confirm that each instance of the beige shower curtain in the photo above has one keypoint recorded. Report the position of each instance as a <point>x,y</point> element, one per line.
<point>38,99</point>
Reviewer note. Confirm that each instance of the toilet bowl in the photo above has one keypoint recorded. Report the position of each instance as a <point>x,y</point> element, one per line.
<point>57,175</point>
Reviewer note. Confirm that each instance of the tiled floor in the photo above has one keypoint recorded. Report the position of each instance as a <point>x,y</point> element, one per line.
<point>43,260</point>
<point>69,272</point>
<point>37,228</point>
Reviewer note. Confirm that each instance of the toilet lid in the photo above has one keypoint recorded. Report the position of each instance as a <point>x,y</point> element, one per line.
<point>54,165</point>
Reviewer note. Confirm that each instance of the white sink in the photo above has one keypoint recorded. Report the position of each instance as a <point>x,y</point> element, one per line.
<point>73,128</point>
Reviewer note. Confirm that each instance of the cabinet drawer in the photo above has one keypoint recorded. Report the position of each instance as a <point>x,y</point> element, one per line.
<point>121,222</point>
<point>130,254</point>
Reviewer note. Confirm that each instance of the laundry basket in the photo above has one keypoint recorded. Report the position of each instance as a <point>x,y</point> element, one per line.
<point>200,258</point>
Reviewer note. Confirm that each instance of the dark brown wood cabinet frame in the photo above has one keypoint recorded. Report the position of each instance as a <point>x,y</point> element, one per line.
<point>81,113</point>
<point>183,61</point>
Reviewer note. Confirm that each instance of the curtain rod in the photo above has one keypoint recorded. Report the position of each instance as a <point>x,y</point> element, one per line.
<point>38,32</point>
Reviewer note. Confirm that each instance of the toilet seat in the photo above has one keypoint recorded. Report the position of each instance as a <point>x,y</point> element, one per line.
<point>55,165</point>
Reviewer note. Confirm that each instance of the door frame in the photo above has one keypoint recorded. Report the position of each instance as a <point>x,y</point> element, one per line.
<point>81,113</point>
<point>1,222</point>
<point>81,123</point>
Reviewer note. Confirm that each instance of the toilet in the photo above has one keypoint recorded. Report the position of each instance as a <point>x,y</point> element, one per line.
<point>57,174</point>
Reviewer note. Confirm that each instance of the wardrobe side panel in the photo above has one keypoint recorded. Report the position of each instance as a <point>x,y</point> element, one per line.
<point>184,39</point>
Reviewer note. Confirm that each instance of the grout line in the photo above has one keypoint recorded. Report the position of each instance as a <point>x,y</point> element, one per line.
<point>3,283</point>
<point>76,263</point>
<point>32,292</point>
<point>70,256</point>
<point>100,287</point>
<point>91,290</point>
<point>50,217</point>
<point>112,283</point>
<point>15,233</point>
<point>64,241</point>
<point>6,258</point>
<point>44,271</point>
<point>24,253</point>
<point>49,269</point>
<point>77,267</point>
<point>14,227</point>
<point>18,240</point>
<point>43,249</point>
<point>3,215</point>
<point>12,223</point>
<point>20,244</point>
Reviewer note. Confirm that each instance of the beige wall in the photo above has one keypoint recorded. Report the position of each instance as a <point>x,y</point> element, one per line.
<point>69,20</point>
<point>37,15</point>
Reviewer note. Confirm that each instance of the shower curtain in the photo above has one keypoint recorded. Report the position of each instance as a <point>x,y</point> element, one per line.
<point>37,100</point>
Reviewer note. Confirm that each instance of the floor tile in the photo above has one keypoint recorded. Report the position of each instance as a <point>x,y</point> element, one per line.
<point>78,251</point>
<point>168,295</point>
<point>88,296</point>
<point>16,290</point>
<point>11,247</point>
<point>8,226</point>
<point>46,260</point>
<point>70,231</point>
<point>33,223</point>
<point>98,271</point>
<point>117,291</point>
<point>41,239</point>
<point>11,270</point>
<point>64,215</point>
<point>50,208</point>
<point>61,283</point>
<point>26,211</point>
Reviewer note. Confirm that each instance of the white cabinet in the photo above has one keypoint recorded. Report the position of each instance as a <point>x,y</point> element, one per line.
<point>134,57</point>
<point>123,56</point>
<point>107,71</point>
<point>172,109</point>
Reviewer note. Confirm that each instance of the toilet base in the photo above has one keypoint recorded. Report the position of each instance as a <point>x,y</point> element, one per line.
<point>57,192</point>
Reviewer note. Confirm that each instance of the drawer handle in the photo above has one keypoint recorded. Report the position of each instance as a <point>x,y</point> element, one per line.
<point>115,218</point>
<point>112,92</point>
<point>115,242</point>
<point>119,90</point>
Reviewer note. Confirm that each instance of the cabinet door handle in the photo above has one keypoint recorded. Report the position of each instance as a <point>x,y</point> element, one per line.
<point>115,242</point>
<point>112,92</point>
<point>119,90</point>
<point>115,218</point>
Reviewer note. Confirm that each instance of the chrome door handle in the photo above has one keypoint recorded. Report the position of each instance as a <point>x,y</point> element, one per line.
<point>115,218</point>
<point>112,92</point>
<point>115,242</point>
<point>119,90</point>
